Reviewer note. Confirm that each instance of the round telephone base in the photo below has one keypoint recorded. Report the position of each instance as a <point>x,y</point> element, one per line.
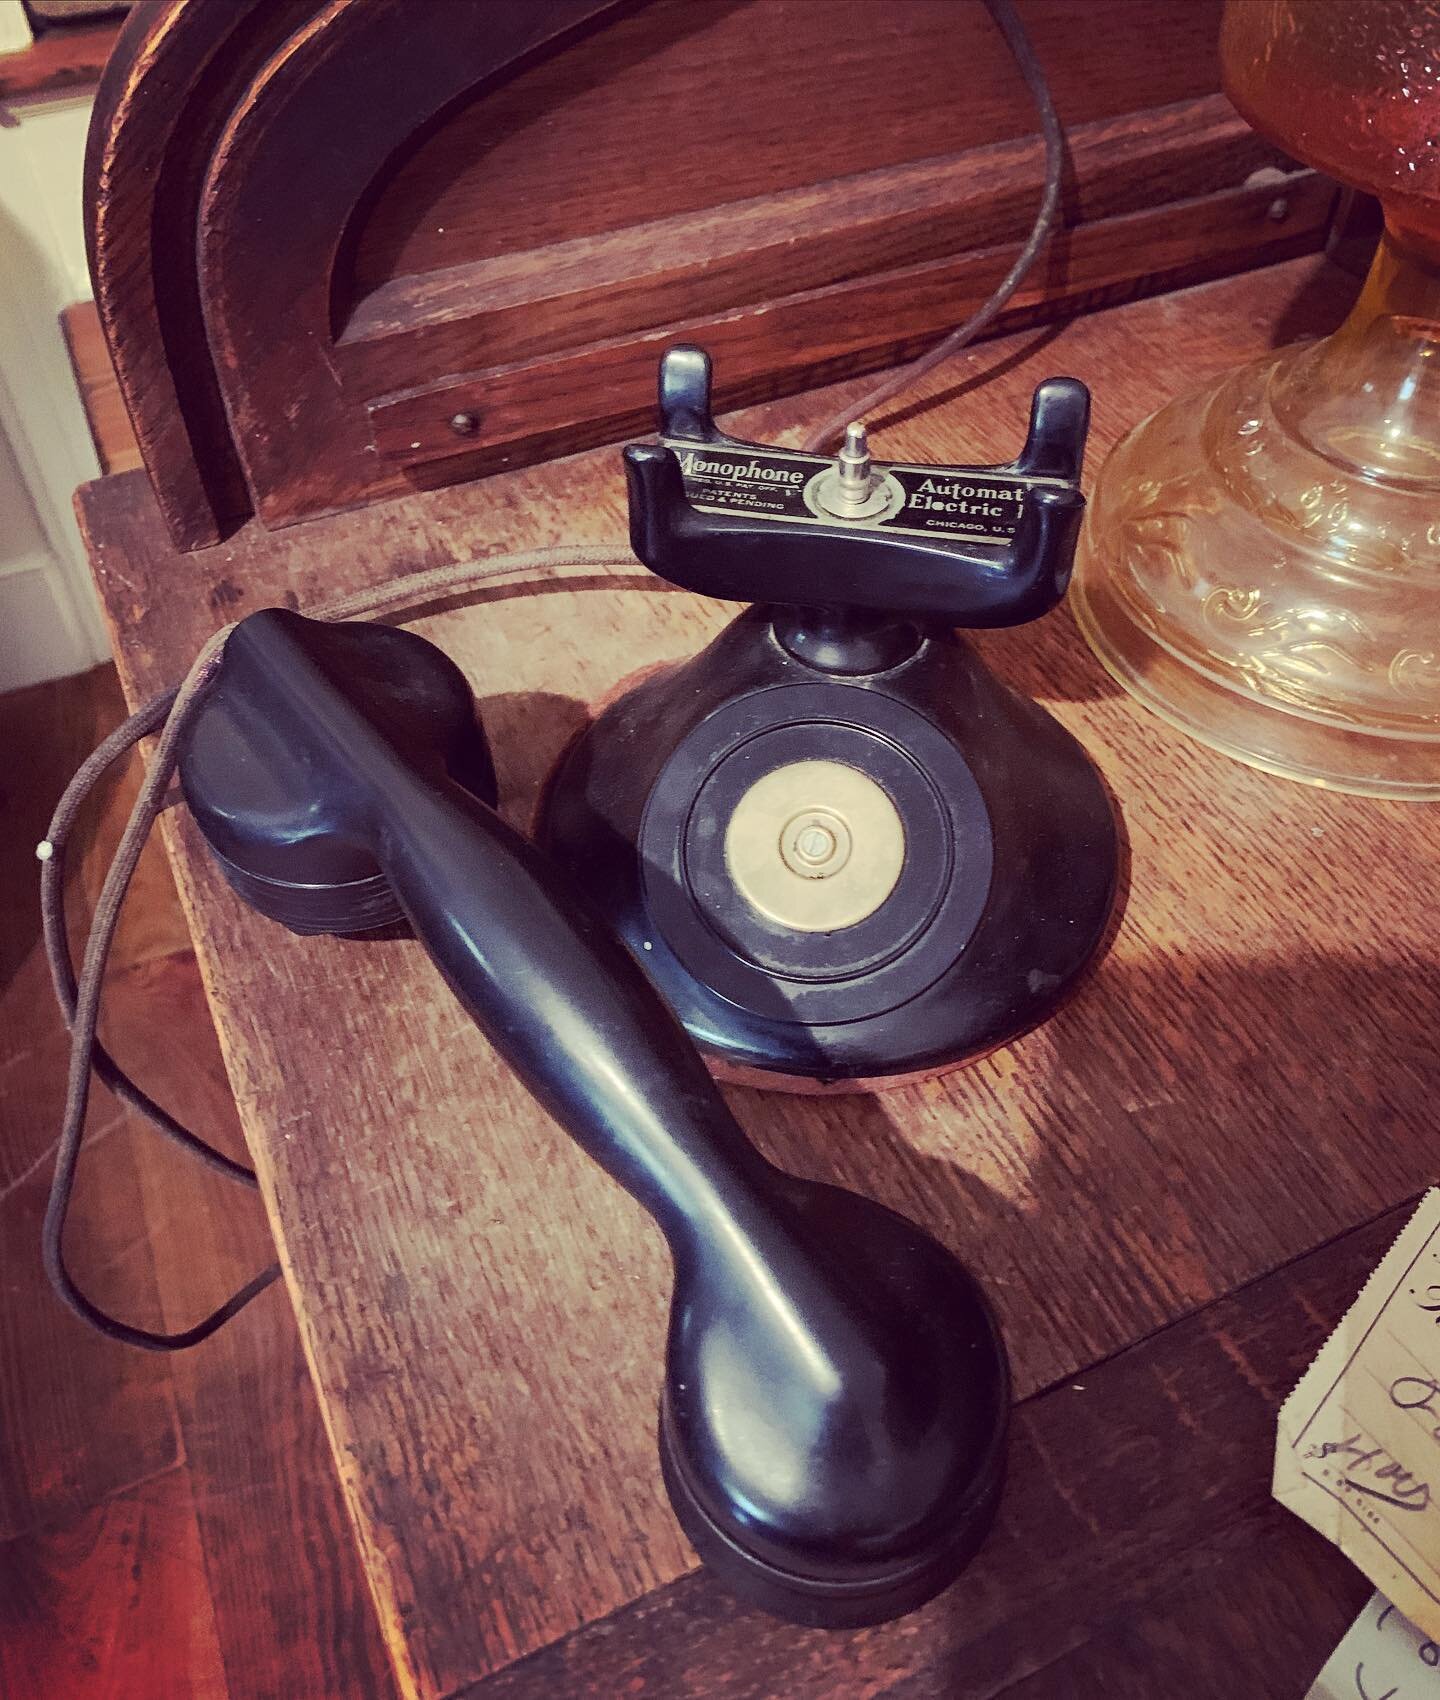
<point>726,1068</point>
<point>731,1073</point>
<point>979,930</point>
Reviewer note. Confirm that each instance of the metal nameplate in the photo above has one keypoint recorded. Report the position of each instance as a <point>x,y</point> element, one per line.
<point>979,506</point>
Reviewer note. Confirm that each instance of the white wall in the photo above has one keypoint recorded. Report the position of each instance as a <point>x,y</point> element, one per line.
<point>14,27</point>
<point>49,617</point>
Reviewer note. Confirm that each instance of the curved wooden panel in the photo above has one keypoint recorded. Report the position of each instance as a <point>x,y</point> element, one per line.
<point>758,101</point>
<point>344,248</point>
<point>164,95</point>
<point>435,248</point>
<point>296,160</point>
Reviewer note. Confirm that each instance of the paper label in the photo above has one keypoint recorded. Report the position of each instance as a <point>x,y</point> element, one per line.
<point>1358,1453</point>
<point>975,506</point>
<point>1383,1657</point>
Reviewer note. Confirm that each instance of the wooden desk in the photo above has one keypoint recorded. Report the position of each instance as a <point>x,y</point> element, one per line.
<point>1246,1079</point>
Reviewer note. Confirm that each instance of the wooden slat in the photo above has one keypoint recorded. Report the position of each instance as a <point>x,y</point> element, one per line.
<point>293,1617</point>
<point>105,413</point>
<point>570,291</point>
<point>599,391</point>
<point>69,56</point>
<point>1251,1616</point>
<point>484,1314</point>
<point>675,108</point>
<point>175,1526</point>
<point>157,112</point>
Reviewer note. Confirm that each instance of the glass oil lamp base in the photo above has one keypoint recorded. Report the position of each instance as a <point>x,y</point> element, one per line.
<point>1244,723</point>
<point>1260,563</point>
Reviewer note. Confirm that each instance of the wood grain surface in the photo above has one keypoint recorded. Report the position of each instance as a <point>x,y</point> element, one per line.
<point>170,1527</point>
<point>1247,1075</point>
<point>277,214</point>
<point>158,106</point>
<point>110,427</point>
<point>754,99</point>
<point>792,290</point>
<point>80,1420</point>
<point>570,396</point>
<point>886,227</point>
<point>61,58</point>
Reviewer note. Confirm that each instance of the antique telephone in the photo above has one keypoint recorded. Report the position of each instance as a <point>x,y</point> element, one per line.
<point>812,840</point>
<point>832,847</point>
<point>835,1395</point>
<point>824,860</point>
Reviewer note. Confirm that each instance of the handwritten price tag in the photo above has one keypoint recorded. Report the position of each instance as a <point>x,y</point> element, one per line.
<point>1383,1657</point>
<point>1358,1452</point>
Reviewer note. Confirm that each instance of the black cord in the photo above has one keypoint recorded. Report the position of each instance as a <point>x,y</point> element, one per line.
<point>1005,19</point>
<point>141,724</point>
<point>81,1012</point>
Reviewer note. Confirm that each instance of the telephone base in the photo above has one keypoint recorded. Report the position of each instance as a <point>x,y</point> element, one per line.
<point>839,879</point>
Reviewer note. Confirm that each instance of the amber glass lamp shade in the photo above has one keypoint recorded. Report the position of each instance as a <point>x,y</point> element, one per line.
<point>1261,558</point>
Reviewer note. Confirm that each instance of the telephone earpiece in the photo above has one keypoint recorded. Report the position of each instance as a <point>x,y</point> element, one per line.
<point>835,1394</point>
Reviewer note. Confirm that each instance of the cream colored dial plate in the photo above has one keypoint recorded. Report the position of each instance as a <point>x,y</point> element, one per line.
<point>815,845</point>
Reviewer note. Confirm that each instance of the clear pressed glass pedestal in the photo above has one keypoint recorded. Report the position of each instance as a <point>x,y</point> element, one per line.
<point>1260,562</point>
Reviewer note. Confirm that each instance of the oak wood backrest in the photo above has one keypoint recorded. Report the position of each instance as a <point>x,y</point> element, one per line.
<point>342,248</point>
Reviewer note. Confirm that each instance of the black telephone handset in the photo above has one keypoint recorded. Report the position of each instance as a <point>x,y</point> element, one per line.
<point>339,775</point>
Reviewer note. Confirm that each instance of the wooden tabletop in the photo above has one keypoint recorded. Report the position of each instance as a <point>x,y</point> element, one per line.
<point>1245,1080</point>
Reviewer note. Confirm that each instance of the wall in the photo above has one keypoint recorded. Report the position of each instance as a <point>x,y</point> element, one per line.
<point>49,619</point>
<point>14,27</point>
